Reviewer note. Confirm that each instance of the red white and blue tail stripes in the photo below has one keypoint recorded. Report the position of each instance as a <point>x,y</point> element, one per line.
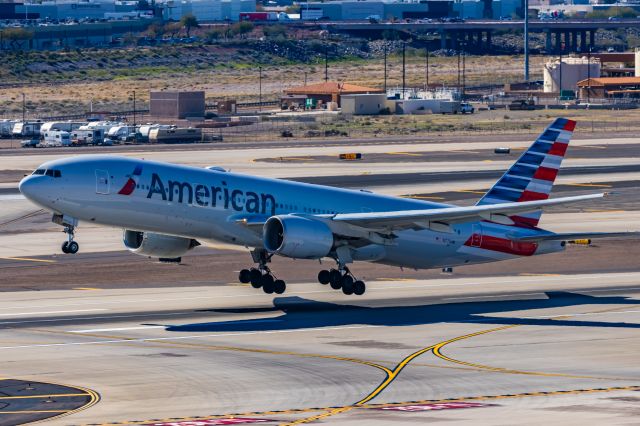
<point>532,176</point>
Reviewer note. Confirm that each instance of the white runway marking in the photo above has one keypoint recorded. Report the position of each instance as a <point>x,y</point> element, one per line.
<point>102,330</point>
<point>51,312</point>
<point>201,336</point>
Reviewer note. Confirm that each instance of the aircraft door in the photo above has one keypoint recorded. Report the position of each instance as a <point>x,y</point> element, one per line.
<point>476,235</point>
<point>102,182</point>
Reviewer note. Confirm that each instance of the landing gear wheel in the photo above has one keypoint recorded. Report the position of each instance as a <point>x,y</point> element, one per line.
<point>279,286</point>
<point>73,247</point>
<point>324,277</point>
<point>244,276</point>
<point>268,285</point>
<point>335,278</point>
<point>359,288</point>
<point>255,277</point>
<point>65,247</point>
<point>347,285</point>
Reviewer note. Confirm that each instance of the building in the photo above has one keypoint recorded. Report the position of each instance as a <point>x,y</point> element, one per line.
<point>330,91</point>
<point>206,10</point>
<point>177,104</point>
<point>569,72</point>
<point>366,104</point>
<point>609,87</point>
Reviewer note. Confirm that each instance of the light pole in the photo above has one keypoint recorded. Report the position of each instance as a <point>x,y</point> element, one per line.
<point>260,86</point>
<point>526,40</point>
<point>385,67</point>
<point>134,108</point>
<point>24,107</point>
<point>404,68</point>
<point>589,76</point>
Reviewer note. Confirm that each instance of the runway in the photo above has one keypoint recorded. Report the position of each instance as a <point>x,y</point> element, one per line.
<point>114,338</point>
<point>552,348</point>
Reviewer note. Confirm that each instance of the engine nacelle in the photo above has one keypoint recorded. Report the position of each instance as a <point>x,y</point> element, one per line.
<point>162,246</point>
<point>297,237</point>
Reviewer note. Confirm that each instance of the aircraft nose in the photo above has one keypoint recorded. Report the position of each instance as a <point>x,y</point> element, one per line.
<point>29,187</point>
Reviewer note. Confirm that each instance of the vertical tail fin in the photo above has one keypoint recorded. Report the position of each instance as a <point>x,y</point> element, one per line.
<point>532,176</point>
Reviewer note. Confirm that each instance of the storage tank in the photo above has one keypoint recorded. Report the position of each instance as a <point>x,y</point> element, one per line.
<point>573,71</point>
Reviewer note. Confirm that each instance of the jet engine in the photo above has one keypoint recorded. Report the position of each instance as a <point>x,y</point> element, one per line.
<point>165,247</point>
<point>297,237</point>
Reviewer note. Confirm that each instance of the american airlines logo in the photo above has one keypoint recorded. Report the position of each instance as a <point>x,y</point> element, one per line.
<point>131,184</point>
<point>212,196</point>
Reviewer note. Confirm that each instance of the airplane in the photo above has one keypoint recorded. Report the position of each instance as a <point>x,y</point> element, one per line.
<point>166,210</point>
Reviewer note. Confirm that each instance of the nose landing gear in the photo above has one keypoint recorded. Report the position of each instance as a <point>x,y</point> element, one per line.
<point>70,246</point>
<point>262,277</point>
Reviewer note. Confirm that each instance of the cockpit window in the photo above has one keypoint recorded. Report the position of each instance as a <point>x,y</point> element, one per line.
<point>49,172</point>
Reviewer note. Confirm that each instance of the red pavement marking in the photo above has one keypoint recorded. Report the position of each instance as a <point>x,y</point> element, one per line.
<point>212,422</point>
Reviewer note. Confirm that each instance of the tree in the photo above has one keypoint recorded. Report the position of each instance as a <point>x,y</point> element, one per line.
<point>173,28</point>
<point>242,28</point>
<point>188,22</point>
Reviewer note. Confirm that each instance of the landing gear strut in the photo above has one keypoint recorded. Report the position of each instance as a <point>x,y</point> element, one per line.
<point>70,246</point>
<point>342,278</point>
<point>262,275</point>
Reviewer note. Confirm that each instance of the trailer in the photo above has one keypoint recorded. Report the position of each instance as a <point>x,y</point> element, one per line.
<point>264,16</point>
<point>55,138</point>
<point>87,137</point>
<point>26,128</point>
<point>6,128</point>
<point>67,126</point>
<point>175,135</point>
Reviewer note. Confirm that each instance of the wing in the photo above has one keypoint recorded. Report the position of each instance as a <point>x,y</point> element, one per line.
<point>441,218</point>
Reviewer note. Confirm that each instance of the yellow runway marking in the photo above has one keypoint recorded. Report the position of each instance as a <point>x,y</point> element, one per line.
<point>604,211</point>
<point>590,185</point>
<point>593,146</point>
<point>62,395</point>
<point>410,154</point>
<point>391,376</point>
<point>471,191</point>
<point>381,405</point>
<point>28,259</point>
<point>527,274</point>
<point>295,159</point>
<point>86,288</point>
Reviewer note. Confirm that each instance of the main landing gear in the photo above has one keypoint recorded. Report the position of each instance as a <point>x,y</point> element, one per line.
<point>342,279</point>
<point>70,246</point>
<point>262,277</point>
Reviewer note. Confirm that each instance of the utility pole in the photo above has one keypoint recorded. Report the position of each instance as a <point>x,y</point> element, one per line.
<point>526,40</point>
<point>24,107</point>
<point>305,78</point>
<point>464,80</point>
<point>426,71</point>
<point>404,68</point>
<point>458,52</point>
<point>326,63</point>
<point>260,86</point>
<point>385,68</point>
